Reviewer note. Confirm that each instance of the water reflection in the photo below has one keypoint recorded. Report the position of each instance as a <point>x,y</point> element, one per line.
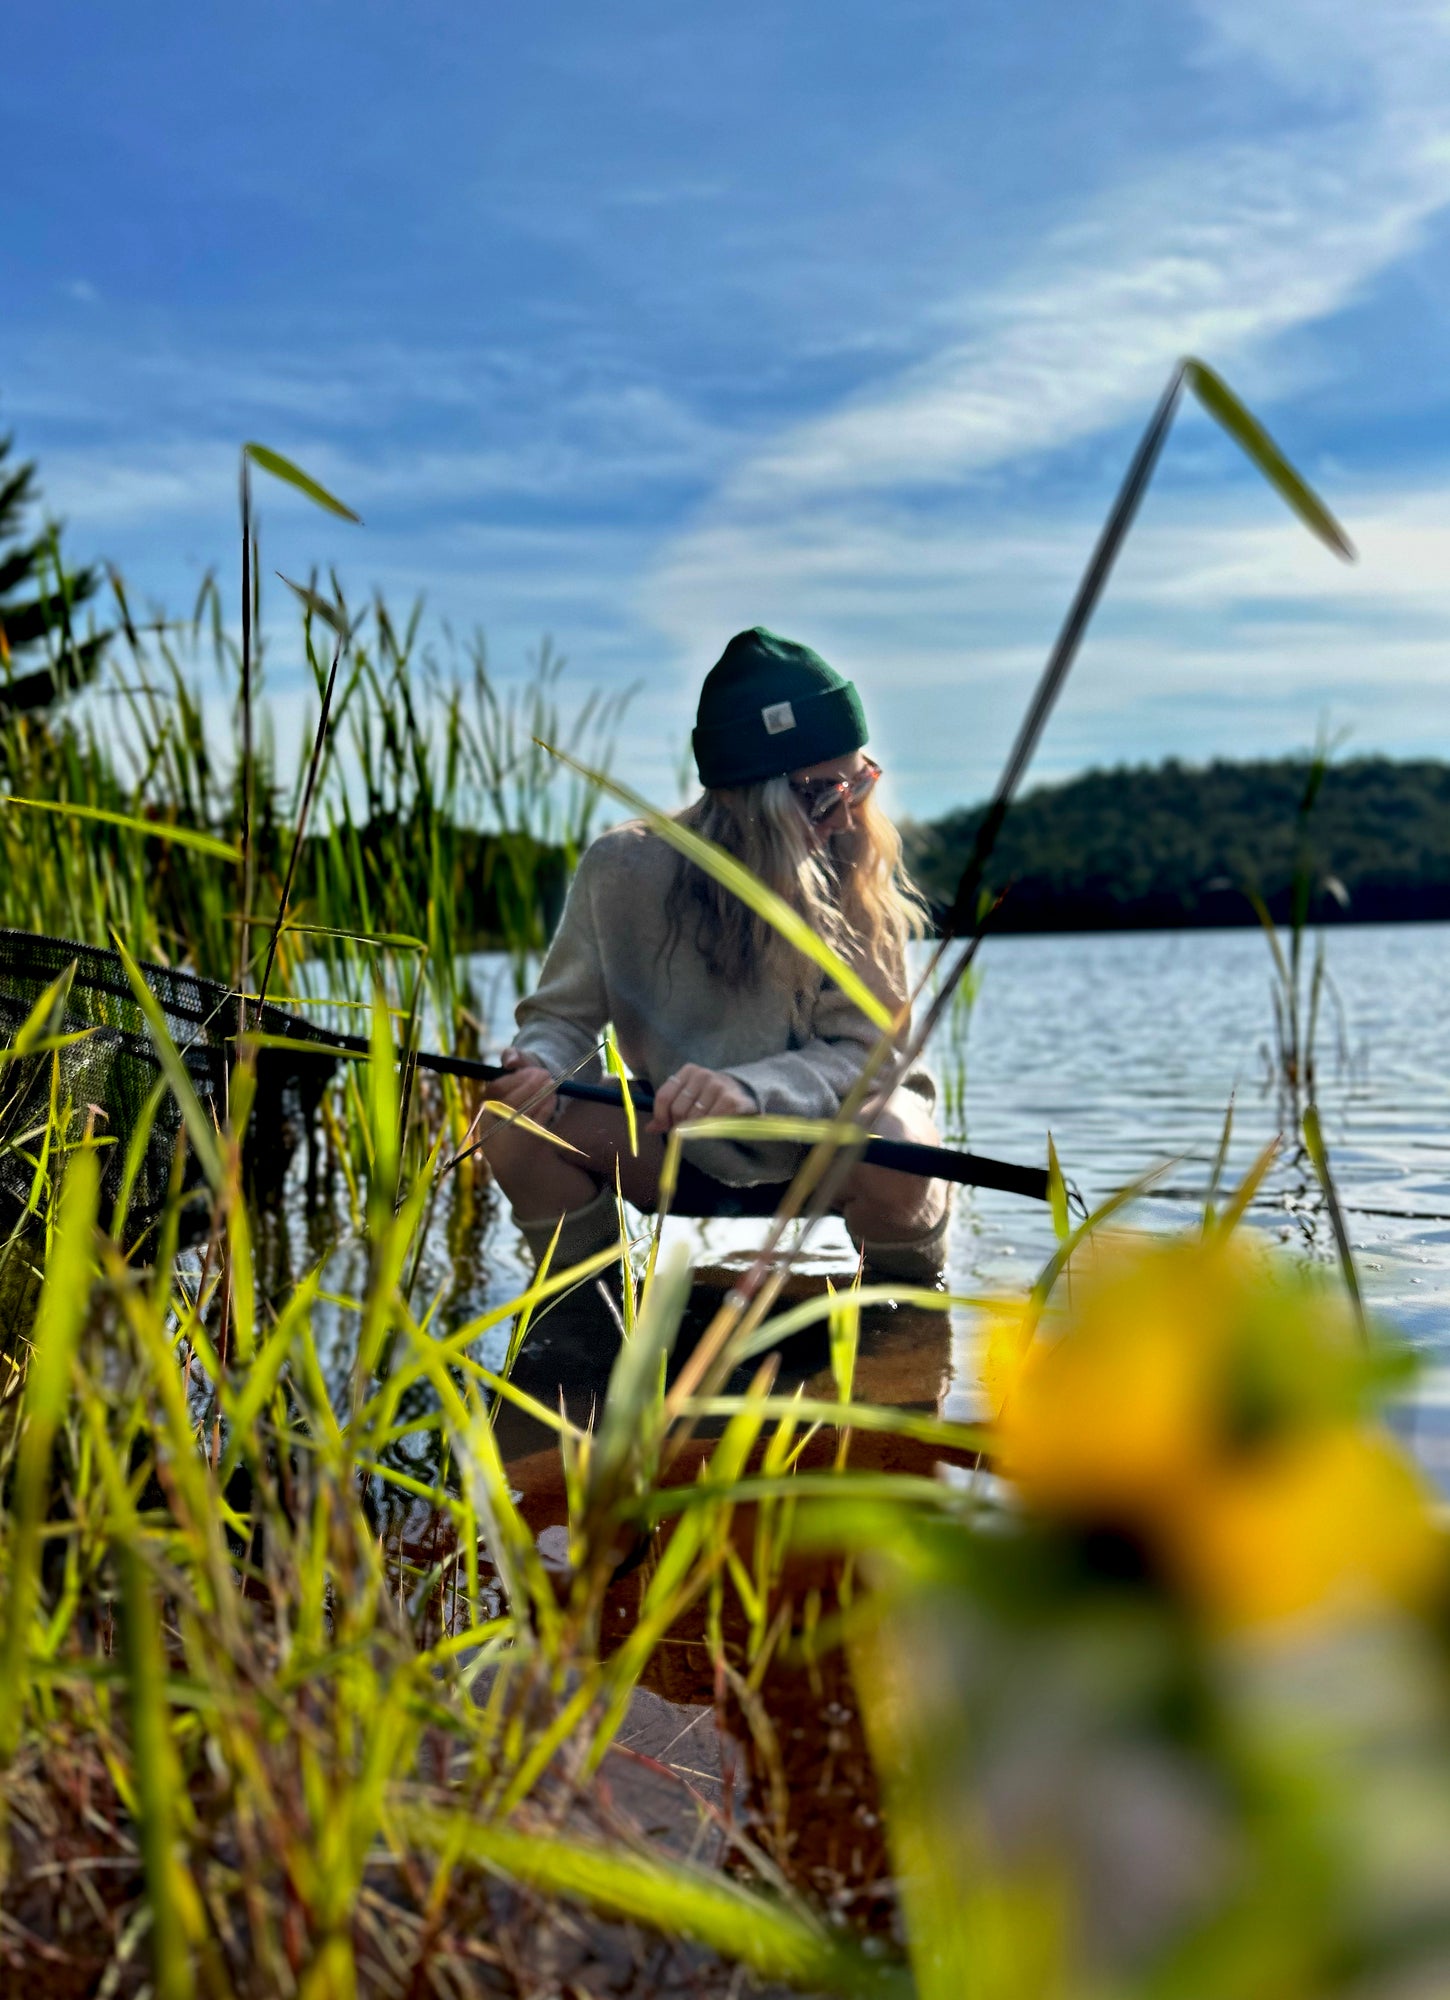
<point>903,1360</point>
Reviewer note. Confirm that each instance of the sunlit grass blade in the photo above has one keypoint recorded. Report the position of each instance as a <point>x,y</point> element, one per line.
<point>384,1104</point>
<point>1237,1206</point>
<point>64,1300</point>
<point>47,1045</point>
<point>1319,1154</point>
<point>1220,1161</point>
<point>1057,1194</point>
<point>1058,1262</point>
<point>381,940</point>
<point>508,1115</point>
<point>773,1940</point>
<point>511,1547</point>
<point>153,829</point>
<point>884,1419</point>
<point>637,1379</point>
<point>293,475</point>
<point>171,1895</point>
<point>245,1405</point>
<point>299,831</point>
<point>1254,441</point>
<point>811,1311</point>
<point>45,1022</point>
<point>199,1128</point>
<point>615,1064</point>
<point>894,1488</point>
<point>519,1332</point>
<point>844,1327</point>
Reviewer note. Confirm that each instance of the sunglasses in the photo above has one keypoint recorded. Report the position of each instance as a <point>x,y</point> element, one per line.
<point>823,799</point>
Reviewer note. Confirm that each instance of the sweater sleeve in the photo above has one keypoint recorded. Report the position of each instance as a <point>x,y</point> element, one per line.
<point>811,1081</point>
<point>561,1022</point>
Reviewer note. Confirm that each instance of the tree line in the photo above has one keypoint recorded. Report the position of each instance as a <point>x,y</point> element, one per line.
<point>1175,844</point>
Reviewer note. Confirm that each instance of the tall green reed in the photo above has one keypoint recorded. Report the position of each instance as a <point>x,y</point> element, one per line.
<point>315,1741</point>
<point>1300,980</point>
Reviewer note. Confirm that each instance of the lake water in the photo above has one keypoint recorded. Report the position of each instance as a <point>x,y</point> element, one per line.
<point>1128,1049</point>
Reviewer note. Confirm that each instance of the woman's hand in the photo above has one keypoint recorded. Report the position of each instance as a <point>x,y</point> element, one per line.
<point>693,1092</point>
<point>524,1084</point>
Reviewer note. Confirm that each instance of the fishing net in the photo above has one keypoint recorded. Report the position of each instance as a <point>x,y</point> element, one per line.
<point>109,1077</point>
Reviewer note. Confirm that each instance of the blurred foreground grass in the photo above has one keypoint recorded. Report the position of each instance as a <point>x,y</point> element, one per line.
<point>1158,1695</point>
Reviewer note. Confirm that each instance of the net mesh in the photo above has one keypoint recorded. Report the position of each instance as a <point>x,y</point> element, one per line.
<point>109,1075</point>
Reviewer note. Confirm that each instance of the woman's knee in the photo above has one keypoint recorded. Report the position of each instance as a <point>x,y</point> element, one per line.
<point>535,1176</point>
<point>879,1201</point>
<point>533,1169</point>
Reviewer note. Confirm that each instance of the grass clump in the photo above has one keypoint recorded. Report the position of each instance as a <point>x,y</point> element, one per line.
<point>276,1741</point>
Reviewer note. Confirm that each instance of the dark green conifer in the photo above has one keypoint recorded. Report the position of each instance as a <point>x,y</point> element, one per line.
<point>43,656</point>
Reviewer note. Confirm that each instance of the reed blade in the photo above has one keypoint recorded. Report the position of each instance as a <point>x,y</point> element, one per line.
<point>1254,441</point>
<point>293,475</point>
<point>153,829</point>
<point>1059,662</point>
<point>314,762</point>
<point>1319,1154</point>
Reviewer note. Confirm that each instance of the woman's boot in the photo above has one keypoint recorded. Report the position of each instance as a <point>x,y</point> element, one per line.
<point>583,1232</point>
<point>916,1259</point>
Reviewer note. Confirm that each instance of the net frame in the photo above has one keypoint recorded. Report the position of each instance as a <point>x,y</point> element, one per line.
<point>108,1076</point>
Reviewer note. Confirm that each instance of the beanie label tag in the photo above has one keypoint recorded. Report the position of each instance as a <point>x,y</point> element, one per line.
<point>778,717</point>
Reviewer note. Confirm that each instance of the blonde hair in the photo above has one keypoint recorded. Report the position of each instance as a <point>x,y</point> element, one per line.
<point>852,890</point>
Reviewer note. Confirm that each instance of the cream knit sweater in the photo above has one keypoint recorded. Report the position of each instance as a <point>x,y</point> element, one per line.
<point>796,1055</point>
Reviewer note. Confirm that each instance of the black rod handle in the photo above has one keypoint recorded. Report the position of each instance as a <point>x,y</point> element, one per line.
<point>904,1156</point>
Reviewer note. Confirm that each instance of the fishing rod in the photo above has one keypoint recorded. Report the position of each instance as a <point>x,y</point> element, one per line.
<point>905,1156</point>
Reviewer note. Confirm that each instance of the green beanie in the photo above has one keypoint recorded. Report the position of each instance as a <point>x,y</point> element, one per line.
<point>769,706</point>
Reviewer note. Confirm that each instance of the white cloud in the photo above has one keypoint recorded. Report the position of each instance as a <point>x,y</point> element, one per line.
<point>1216,252</point>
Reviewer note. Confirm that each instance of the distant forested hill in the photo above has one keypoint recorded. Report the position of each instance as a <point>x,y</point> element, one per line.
<point>1151,848</point>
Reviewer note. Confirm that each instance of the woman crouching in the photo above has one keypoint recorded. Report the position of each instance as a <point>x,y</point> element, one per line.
<point>711,1005</point>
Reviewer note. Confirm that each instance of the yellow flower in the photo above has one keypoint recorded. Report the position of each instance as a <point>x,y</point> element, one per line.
<point>1112,1415</point>
<point>1328,1522</point>
<point>1205,1397</point>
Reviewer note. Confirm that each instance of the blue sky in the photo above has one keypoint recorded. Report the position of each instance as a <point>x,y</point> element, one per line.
<point>633,326</point>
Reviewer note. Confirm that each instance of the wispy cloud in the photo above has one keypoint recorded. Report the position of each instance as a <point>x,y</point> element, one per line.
<point>1219,251</point>
<point>1228,628</point>
<point>898,526</point>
